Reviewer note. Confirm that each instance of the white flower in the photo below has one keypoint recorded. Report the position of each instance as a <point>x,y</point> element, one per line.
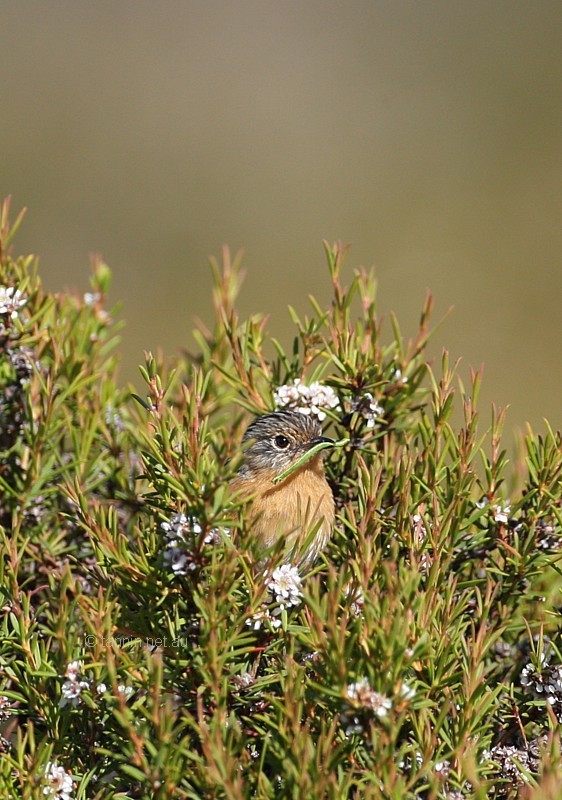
<point>356,599</point>
<point>361,694</point>
<point>262,618</point>
<point>71,691</point>
<point>286,584</point>
<point>253,751</point>
<point>72,670</point>
<point>501,513</point>
<point>357,604</point>
<point>258,619</point>
<point>91,298</point>
<point>214,535</point>
<point>101,688</point>
<point>356,690</point>
<point>368,407</point>
<point>5,708</point>
<point>407,763</point>
<point>398,377</point>
<point>352,722</point>
<point>181,532</point>
<point>407,692</point>
<point>287,395</point>
<point>419,528</point>
<point>59,782</point>
<point>321,397</point>
<point>178,560</point>
<point>420,535</point>
<point>244,681</point>
<point>548,536</point>
<point>529,676</point>
<point>380,704</point>
<point>125,691</point>
<point>545,681</point>
<point>113,419</point>
<point>311,399</point>
<point>11,301</point>
<point>180,526</point>
<point>72,688</point>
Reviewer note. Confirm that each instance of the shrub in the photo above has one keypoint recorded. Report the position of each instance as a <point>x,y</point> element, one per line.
<point>145,654</point>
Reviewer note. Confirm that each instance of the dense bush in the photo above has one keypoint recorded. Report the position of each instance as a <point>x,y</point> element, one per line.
<point>144,654</point>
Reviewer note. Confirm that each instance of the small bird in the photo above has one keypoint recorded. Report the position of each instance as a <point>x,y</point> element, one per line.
<point>298,510</point>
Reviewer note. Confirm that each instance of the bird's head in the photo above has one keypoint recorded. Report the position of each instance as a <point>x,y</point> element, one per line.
<point>278,439</point>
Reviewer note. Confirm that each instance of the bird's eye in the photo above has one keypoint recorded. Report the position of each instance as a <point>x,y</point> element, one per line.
<point>281,442</point>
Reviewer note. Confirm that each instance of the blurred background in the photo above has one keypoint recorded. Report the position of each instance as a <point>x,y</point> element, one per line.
<point>429,135</point>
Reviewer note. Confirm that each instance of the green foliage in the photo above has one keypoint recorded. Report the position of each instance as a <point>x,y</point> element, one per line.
<point>143,652</point>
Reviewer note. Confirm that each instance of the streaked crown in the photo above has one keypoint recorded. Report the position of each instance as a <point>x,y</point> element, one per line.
<point>278,439</point>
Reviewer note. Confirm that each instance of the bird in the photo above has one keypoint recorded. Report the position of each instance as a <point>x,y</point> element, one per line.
<point>299,510</point>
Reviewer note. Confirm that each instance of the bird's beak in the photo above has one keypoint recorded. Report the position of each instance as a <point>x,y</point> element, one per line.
<point>320,440</point>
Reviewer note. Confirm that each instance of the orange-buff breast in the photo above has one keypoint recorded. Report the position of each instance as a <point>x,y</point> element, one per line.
<point>300,510</point>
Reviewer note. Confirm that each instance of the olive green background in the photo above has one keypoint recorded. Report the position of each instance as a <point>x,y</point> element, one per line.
<point>428,134</point>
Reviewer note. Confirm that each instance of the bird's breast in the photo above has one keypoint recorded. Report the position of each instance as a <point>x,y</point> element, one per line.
<point>291,509</point>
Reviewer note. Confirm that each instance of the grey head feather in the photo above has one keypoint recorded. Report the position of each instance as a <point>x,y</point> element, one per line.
<point>278,439</point>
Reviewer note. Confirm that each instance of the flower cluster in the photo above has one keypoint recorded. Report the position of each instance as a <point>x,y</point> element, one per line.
<point>57,783</point>
<point>544,681</point>
<point>420,535</point>
<point>500,513</point>
<point>367,407</point>
<point>357,603</point>
<point>73,687</point>
<point>285,584</point>
<point>113,419</point>
<point>313,399</point>
<point>513,763</point>
<point>180,533</point>
<point>420,531</point>
<point>5,708</point>
<point>548,536</point>
<point>122,690</point>
<point>244,681</point>
<point>125,691</point>
<point>361,694</point>
<point>363,702</point>
<point>262,619</point>
<point>442,768</point>
<point>11,300</point>
<point>12,397</point>
<point>23,362</point>
<point>354,598</point>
